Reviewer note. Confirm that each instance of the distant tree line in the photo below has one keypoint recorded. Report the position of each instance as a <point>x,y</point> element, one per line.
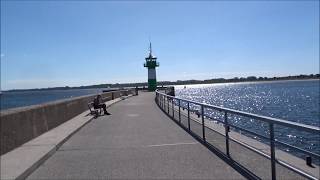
<point>184,82</point>
<point>241,79</point>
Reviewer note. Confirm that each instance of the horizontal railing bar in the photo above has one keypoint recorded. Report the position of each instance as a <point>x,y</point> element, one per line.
<point>236,127</point>
<point>251,132</point>
<point>295,125</point>
<point>259,135</point>
<point>304,127</point>
<point>208,117</point>
<point>218,120</point>
<point>252,148</point>
<point>279,142</point>
<point>302,150</point>
<point>237,141</point>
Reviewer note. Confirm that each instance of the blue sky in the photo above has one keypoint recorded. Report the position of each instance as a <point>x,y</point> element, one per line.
<point>73,43</point>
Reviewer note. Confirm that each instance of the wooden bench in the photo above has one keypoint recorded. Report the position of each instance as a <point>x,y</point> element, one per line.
<point>93,111</point>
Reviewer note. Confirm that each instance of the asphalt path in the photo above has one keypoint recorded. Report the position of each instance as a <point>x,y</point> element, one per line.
<point>138,141</point>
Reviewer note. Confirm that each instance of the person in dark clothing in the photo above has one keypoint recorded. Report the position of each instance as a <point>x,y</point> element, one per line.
<point>97,104</point>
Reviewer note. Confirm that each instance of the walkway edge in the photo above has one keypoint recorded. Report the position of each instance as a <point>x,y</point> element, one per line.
<point>22,161</point>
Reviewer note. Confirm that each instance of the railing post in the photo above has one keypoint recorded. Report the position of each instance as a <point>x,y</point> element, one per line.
<point>188,116</point>
<point>157,101</point>
<point>272,151</point>
<point>168,103</point>
<point>179,112</point>
<point>227,128</point>
<point>203,127</point>
<point>172,109</point>
<point>161,99</point>
<point>163,103</point>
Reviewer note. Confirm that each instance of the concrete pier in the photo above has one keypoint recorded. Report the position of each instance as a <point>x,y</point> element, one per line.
<point>138,141</point>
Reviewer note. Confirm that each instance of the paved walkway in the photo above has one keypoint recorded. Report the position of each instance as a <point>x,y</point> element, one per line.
<point>138,141</point>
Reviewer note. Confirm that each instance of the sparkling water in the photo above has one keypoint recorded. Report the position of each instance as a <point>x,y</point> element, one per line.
<point>296,101</point>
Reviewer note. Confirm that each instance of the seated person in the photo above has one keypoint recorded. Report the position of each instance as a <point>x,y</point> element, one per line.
<point>97,104</point>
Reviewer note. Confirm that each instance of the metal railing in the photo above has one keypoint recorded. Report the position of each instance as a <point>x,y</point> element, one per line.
<point>164,101</point>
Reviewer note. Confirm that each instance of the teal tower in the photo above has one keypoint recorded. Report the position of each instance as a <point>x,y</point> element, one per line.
<point>151,63</point>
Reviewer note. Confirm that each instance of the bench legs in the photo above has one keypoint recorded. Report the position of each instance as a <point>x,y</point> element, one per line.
<point>97,112</point>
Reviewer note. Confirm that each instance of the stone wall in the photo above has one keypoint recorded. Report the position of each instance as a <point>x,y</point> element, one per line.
<point>20,125</point>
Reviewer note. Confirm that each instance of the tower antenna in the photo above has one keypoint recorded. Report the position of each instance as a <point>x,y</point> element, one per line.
<point>150,47</point>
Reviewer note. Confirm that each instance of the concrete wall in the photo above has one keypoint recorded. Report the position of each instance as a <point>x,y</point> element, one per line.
<point>20,125</point>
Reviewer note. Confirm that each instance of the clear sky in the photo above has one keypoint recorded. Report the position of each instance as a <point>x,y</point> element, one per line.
<point>73,43</point>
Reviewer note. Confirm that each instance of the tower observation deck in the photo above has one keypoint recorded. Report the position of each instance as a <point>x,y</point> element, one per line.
<point>151,63</point>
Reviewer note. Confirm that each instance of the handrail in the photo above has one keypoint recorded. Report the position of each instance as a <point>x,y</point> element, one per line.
<point>271,121</point>
<point>309,128</point>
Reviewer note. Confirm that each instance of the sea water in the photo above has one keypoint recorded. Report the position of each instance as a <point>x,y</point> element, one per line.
<point>13,99</point>
<point>296,101</point>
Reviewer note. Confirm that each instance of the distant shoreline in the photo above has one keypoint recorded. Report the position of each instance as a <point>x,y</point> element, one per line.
<point>250,79</point>
<point>254,82</point>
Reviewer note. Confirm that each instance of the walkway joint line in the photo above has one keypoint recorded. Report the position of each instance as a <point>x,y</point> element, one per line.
<point>175,144</point>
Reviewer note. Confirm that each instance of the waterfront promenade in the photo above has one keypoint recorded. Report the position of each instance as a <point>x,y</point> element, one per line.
<point>138,141</point>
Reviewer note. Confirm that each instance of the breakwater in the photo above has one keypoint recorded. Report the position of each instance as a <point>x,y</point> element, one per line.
<point>19,125</point>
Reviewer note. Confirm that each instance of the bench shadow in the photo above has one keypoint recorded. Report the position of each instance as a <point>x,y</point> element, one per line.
<point>100,115</point>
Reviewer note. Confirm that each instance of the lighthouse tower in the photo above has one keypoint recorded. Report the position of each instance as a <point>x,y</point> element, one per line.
<point>151,63</point>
